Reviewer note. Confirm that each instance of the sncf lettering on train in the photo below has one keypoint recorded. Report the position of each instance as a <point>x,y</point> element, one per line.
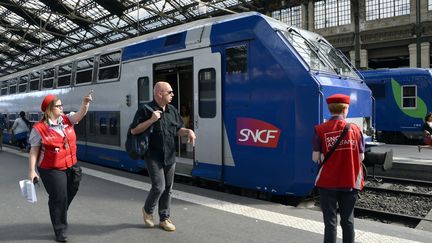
<point>253,132</point>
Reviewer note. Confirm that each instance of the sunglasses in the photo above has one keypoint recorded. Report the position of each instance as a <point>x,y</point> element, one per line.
<point>59,106</point>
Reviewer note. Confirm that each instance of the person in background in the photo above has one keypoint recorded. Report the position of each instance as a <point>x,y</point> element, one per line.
<point>20,128</point>
<point>160,160</point>
<point>427,132</point>
<point>53,152</point>
<point>341,177</point>
<point>185,115</point>
<point>3,126</point>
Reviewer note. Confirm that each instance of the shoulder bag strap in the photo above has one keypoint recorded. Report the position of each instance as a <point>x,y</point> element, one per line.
<point>346,128</point>
<point>152,110</point>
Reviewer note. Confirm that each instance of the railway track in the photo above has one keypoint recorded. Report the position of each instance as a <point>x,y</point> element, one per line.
<point>395,200</point>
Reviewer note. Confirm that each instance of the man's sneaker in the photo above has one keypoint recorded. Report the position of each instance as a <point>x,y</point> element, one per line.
<point>167,225</point>
<point>148,219</point>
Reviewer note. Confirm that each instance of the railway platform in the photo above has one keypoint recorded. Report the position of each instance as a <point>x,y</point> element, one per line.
<point>108,209</point>
<point>408,162</point>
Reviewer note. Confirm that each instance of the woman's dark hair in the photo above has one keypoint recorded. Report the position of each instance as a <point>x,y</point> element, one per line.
<point>428,115</point>
<point>186,112</point>
<point>22,115</point>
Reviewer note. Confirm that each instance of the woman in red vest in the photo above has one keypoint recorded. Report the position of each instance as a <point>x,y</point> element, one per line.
<point>53,150</point>
<point>341,177</point>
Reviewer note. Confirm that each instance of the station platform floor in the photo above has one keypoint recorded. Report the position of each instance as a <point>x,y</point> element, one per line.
<point>108,206</point>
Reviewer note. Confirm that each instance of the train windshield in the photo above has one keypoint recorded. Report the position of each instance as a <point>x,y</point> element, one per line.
<point>318,53</point>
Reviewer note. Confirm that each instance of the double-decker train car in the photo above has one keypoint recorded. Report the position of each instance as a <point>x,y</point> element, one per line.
<point>402,100</point>
<point>255,88</point>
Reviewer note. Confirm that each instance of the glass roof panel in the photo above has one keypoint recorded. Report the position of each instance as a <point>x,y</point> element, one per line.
<point>43,35</point>
<point>66,24</point>
<point>3,10</point>
<point>96,12</point>
<point>100,30</point>
<point>32,4</point>
<point>73,3</point>
<point>14,18</point>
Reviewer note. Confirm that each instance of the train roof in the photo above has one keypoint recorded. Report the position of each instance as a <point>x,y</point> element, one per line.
<point>394,71</point>
<point>151,36</point>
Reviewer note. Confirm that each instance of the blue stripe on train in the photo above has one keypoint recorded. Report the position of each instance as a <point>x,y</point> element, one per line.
<point>109,157</point>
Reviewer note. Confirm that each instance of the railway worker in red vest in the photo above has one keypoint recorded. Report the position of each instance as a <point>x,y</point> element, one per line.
<point>53,151</point>
<point>341,177</point>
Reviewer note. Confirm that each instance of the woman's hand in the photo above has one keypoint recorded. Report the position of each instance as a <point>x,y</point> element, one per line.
<point>88,98</point>
<point>33,176</point>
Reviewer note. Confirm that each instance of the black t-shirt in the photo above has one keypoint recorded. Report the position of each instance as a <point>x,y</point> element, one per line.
<point>163,136</point>
<point>426,127</point>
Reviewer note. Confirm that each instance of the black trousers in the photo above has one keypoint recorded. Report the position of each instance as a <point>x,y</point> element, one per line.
<point>61,186</point>
<point>330,201</point>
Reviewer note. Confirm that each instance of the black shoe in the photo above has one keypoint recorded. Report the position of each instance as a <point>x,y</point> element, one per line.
<point>61,237</point>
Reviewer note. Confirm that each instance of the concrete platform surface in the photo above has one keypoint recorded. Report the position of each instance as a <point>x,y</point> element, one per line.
<point>108,209</point>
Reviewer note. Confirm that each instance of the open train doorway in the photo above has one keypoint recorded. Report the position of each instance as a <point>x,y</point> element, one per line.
<point>179,74</point>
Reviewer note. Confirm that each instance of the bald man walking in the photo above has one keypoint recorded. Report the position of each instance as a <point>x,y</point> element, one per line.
<point>160,159</point>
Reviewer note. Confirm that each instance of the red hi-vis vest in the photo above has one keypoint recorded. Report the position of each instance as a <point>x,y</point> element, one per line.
<point>343,169</point>
<point>60,152</point>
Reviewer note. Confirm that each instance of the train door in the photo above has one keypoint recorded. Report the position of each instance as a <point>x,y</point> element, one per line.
<point>208,115</point>
<point>178,73</point>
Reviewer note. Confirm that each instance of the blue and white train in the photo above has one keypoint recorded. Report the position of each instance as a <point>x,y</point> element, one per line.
<point>255,88</point>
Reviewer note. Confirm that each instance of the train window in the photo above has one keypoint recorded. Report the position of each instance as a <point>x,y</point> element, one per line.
<point>33,118</point>
<point>236,59</point>
<point>23,80</point>
<point>103,126</point>
<point>48,78</point>
<point>34,80</point>
<point>207,93</point>
<point>12,86</point>
<point>84,71</point>
<point>4,88</point>
<point>64,75</point>
<point>109,66</point>
<point>143,90</point>
<point>80,128</point>
<point>11,118</point>
<point>113,126</point>
<point>409,96</point>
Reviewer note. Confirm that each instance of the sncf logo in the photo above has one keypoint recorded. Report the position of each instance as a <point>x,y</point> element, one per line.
<point>252,132</point>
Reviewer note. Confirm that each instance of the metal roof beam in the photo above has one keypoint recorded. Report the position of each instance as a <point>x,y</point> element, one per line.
<point>112,6</point>
<point>31,18</point>
<point>23,34</point>
<point>64,10</point>
<point>12,44</point>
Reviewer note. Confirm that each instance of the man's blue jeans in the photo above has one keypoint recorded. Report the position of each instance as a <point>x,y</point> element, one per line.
<point>330,200</point>
<point>162,179</point>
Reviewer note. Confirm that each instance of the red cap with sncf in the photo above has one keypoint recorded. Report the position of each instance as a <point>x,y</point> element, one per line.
<point>47,100</point>
<point>338,98</point>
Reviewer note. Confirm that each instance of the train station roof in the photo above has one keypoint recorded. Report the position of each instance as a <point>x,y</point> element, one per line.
<point>33,32</point>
